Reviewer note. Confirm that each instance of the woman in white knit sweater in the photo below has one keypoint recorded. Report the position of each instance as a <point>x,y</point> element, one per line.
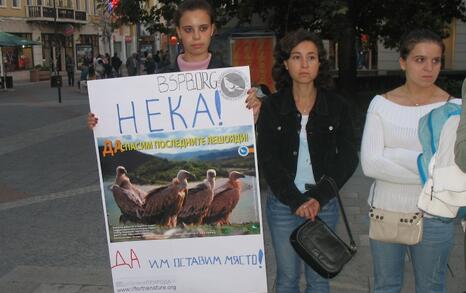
<point>389,152</point>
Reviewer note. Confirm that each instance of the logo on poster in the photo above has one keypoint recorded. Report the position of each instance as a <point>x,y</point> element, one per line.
<point>243,151</point>
<point>232,85</point>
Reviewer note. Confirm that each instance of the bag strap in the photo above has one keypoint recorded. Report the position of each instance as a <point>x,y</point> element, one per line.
<point>335,188</point>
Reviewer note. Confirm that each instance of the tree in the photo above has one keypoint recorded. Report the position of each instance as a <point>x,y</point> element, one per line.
<point>347,20</point>
<point>342,20</point>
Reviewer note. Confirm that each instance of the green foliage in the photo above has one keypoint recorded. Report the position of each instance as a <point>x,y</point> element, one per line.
<point>42,67</point>
<point>341,20</point>
<point>384,20</point>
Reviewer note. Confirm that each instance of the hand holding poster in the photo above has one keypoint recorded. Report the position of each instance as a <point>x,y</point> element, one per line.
<point>178,173</point>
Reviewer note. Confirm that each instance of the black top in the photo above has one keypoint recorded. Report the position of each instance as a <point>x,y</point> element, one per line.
<point>330,140</point>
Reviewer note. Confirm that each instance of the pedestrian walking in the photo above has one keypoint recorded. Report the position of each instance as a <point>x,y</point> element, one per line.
<point>132,64</point>
<point>69,63</point>
<point>116,64</point>
<point>108,68</point>
<point>157,60</point>
<point>84,76</point>
<point>99,67</point>
<point>149,64</point>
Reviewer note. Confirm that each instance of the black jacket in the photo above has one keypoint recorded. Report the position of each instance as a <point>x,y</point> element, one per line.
<point>331,144</point>
<point>214,63</point>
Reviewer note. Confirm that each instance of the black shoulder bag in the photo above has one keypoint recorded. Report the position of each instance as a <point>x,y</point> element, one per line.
<point>319,246</point>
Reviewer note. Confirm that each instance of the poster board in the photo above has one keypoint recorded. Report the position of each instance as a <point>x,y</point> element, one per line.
<point>166,230</point>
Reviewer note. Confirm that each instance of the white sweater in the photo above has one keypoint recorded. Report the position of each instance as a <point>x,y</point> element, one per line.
<point>389,151</point>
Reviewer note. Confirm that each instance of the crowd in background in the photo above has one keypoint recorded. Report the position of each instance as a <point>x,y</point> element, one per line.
<point>104,66</point>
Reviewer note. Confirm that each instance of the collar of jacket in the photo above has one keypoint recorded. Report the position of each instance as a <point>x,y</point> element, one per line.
<point>289,106</point>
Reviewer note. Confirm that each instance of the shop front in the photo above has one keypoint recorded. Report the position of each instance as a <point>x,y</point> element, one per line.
<point>18,58</point>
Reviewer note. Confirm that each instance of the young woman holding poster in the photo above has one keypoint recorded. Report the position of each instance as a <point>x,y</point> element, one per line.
<point>389,152</point>
<point>195,26</point>
<point>304,132</point>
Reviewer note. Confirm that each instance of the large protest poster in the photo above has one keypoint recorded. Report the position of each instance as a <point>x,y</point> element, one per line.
<point>179,182</point>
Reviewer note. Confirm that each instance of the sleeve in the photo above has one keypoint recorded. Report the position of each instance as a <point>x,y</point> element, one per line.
<point>460,144</point>
<point>279,179</point>
<point>376,161</point>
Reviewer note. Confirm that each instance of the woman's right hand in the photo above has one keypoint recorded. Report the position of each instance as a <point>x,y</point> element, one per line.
<point>91,120</point>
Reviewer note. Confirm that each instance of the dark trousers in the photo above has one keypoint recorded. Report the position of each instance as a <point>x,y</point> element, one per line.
<point>70,78</point>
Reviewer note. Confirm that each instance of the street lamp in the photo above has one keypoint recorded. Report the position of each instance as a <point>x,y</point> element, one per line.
<point>56,80</point>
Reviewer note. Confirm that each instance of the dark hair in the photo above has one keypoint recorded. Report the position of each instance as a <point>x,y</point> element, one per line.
<point>414,37</point>
<point>282,53</point>
<point>190,5</point>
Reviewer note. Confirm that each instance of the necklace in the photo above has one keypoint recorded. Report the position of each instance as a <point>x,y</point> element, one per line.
<point>425,100</point>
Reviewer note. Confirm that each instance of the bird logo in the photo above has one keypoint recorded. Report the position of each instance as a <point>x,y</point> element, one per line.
<point>233,85</point>
<point>243,151</point>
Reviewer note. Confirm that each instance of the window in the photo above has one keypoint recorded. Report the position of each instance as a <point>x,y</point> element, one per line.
<point>2,3</point>
<point>16,3</point>
<point>39,2</point>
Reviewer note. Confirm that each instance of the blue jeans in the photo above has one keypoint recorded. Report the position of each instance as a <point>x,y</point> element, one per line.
<point>429,259</point>
<point>281,223</point>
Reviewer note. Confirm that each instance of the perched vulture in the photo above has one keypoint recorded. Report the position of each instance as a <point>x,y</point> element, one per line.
<point>198,200</point>
<point>225,200</point>
<point>164,203</point>
<point>128,197</point>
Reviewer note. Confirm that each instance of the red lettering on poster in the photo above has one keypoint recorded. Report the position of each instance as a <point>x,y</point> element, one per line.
<point>121,262</point>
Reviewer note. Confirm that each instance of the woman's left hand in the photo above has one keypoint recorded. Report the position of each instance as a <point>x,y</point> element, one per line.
<point>254,103</point>
<point>309,209</point>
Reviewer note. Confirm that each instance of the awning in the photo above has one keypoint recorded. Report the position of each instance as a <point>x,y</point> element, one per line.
<point>9,40</point>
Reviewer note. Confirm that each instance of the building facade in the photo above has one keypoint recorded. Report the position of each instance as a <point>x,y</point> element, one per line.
<point>74,28</point>
<point>455,51</point>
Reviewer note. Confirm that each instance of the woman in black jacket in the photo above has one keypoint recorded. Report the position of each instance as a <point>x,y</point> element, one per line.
<point>304,131</point>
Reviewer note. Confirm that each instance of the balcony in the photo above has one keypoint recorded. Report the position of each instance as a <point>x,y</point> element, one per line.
<point>45,13</point>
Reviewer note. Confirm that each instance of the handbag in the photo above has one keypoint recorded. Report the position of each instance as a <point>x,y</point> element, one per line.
<point>395,227</point>
<point>319,246</point>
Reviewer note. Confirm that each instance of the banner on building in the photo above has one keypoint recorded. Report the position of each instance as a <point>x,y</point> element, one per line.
<point>257,52</point>
<point>178,175</point>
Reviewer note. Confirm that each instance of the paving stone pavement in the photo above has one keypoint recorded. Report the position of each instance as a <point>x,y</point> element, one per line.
<point>52,238</point>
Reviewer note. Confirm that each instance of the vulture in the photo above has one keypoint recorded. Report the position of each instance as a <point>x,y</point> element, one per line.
<point>128,197</point>
<point>225,200</point>
<point>198,200</point>
<point>164,203</point>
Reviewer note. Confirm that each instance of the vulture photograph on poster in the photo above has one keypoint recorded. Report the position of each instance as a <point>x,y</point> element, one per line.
<point>183,184</point>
